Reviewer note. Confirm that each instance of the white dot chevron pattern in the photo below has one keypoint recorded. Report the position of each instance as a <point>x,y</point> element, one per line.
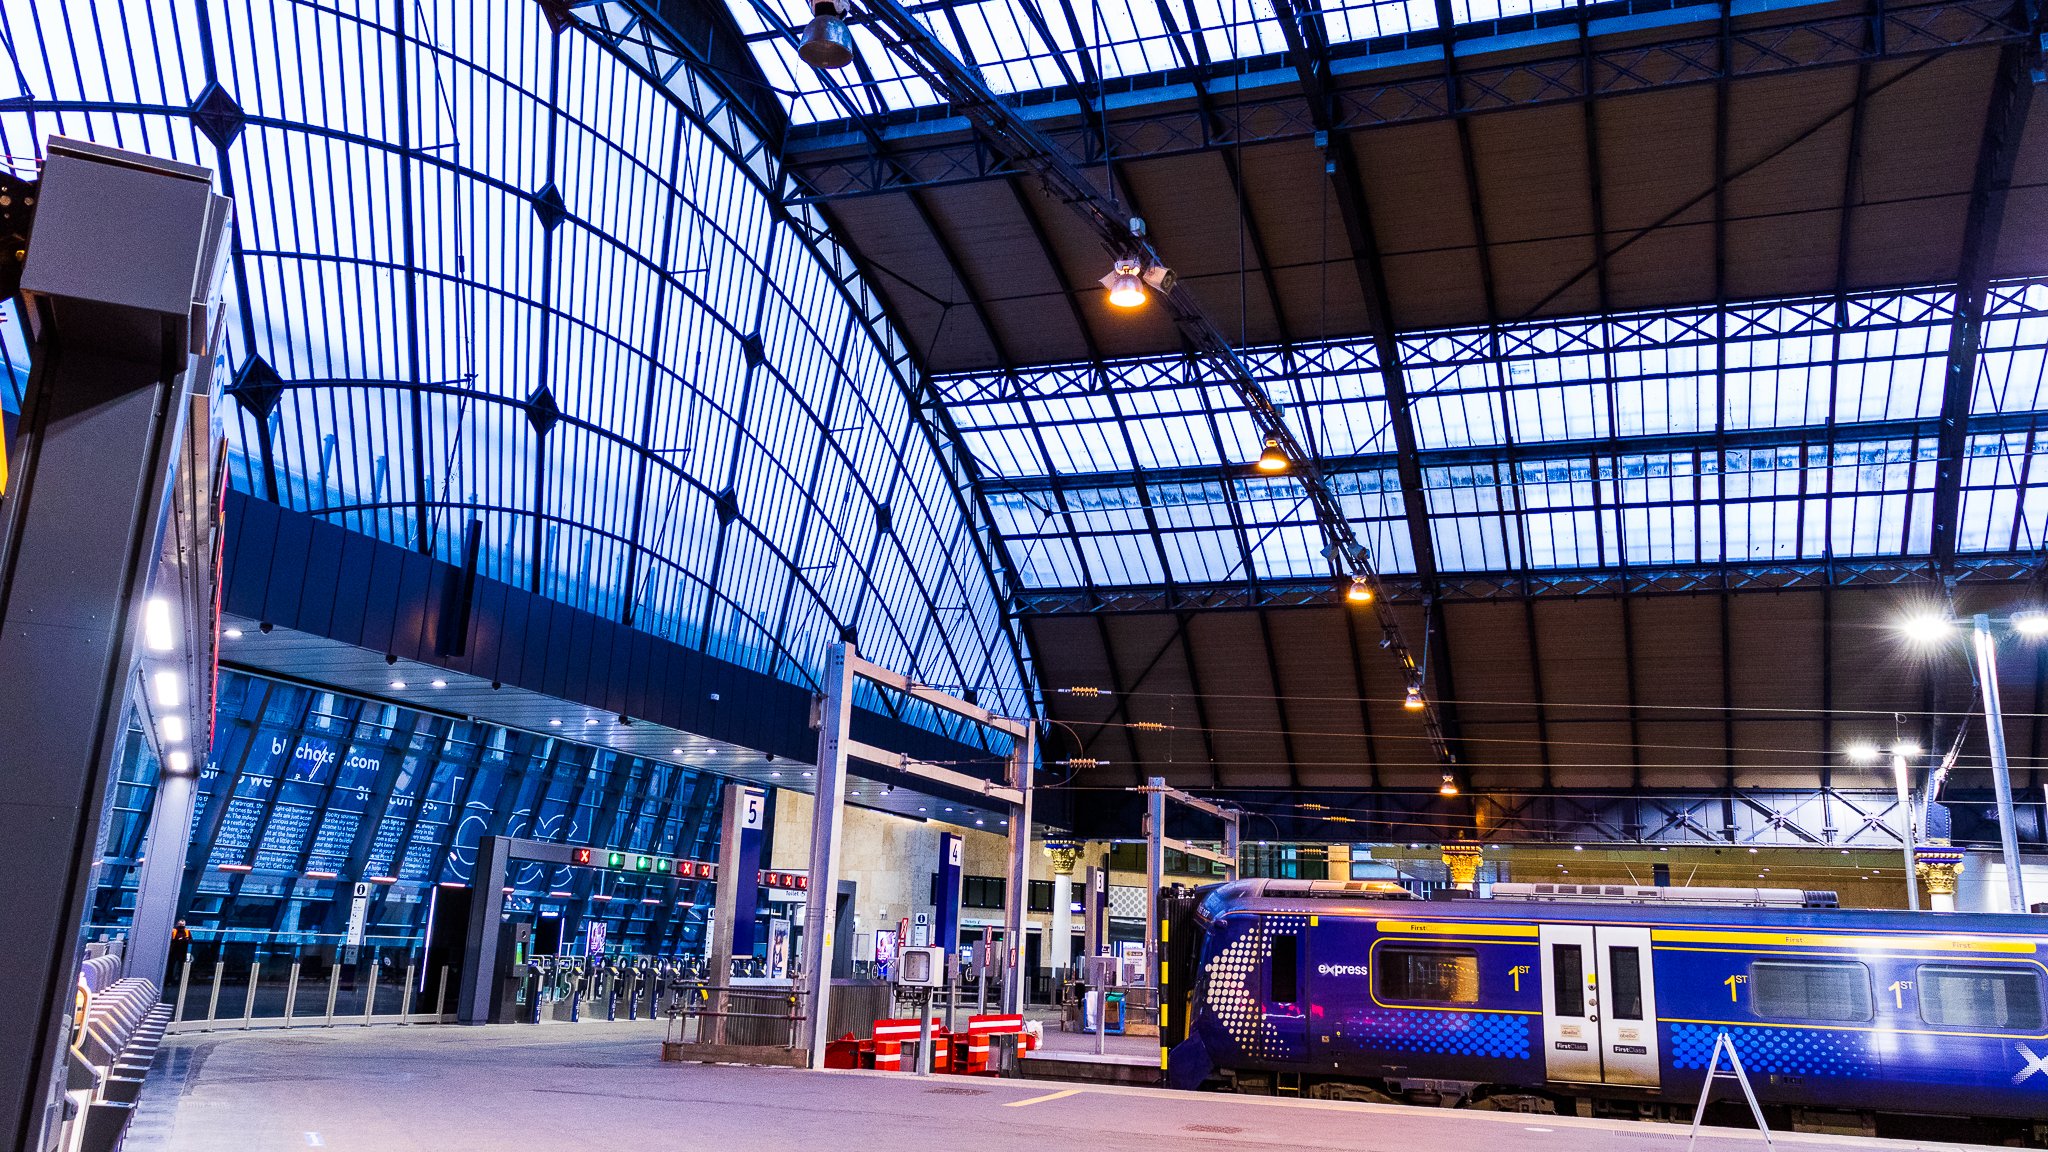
<point>1236,983</point>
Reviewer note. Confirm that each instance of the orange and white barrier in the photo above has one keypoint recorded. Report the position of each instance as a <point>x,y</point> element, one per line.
<point>891,1035</point>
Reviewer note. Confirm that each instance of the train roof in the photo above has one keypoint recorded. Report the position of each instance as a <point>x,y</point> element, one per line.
<point>1297,897</point>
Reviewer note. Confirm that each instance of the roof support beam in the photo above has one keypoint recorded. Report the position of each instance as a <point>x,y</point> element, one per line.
<point>2004,569</point>
<point>2012,94</point>
<point>829,166</point>
<point>1005,130</point>
<point>1309,47</point>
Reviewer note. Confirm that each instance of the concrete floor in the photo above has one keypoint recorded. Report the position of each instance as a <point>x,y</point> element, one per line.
<point>450,1089</point>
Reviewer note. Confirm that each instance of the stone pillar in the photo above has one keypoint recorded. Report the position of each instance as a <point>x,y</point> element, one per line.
<point>1463,859</point>
<point>1065,854</point>
<point>1938,866</point>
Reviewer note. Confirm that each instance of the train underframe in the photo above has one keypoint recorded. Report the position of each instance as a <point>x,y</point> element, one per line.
<point>1625,1104</point>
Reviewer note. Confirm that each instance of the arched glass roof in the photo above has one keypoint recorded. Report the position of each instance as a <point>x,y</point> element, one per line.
<point>489,272</point>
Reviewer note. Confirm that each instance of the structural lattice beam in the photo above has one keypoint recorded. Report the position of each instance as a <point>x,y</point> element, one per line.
<point>1538,584</point>
<point>827,168</point>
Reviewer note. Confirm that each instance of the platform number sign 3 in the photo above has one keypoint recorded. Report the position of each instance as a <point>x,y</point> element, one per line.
<point>751,804</point>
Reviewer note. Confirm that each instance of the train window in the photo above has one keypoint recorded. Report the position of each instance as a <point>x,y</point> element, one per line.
<point>1976,997</point>
<point>1568,979</point>
<point>1625,998</point>
<point>1286,967</point>
<point>1437,974</point>
<point>1810,989</point>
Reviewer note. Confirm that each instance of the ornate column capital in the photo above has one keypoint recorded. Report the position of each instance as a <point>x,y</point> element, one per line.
<point>1065,854</point>
<point>1938,866</point>
<point>1463,859</point>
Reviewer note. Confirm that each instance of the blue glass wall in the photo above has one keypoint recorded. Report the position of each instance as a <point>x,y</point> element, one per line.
<point>489,272</point>
<point>308,792</point>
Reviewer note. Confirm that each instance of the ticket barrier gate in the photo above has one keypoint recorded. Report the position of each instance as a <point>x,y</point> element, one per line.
<point>568,989</point>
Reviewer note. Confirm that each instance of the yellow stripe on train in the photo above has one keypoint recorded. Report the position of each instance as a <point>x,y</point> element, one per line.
<point>1832,940</point>
<point>1468,928</point>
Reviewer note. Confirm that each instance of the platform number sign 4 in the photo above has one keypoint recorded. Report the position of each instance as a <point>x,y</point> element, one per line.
<point>1734,982</point>
<point>751,805</point>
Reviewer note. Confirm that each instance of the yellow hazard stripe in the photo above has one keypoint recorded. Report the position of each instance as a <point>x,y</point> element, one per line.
<point>1833,940</point>
<point>1421,928</point>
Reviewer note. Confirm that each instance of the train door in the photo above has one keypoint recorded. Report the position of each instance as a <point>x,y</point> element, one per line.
<point>1286,995</point>
<point>1571,1008</point>
<point>1628,1006</point>
<point>1599,1005</point>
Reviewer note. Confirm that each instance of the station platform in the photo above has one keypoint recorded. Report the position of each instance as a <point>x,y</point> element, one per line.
<point>1072,1056</point>
<point>450,1089</point>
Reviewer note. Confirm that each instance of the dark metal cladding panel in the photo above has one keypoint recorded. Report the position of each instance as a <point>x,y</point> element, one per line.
<point>345,623</point>
<point>487,630</point>
<point>288,559</point>
<point>380,616</point>
<point>251,526</point>
<point>409,622</point>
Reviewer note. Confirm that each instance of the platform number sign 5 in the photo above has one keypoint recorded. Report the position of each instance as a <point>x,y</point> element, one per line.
<point>1734,982</point>
<point>751,804</point>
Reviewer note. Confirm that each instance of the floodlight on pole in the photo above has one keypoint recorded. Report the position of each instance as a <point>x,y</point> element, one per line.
<point>1927,628</point>
<point>2032,623</point>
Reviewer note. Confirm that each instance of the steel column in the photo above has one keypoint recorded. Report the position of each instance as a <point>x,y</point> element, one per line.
<point>1985,650</point>
<point>1023,761</point>
<point>827,818</point>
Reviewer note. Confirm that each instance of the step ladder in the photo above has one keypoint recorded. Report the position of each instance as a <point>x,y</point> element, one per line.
<point>1723,1042</point>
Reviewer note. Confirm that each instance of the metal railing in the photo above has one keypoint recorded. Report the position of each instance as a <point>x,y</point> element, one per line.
<point>738,1015</point>
<point>248,984</point>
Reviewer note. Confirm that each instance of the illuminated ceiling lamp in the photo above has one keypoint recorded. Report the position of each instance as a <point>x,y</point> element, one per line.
<point>1449,787</point>
<point>1360,591</point>
<point>1273,460</point>
<point>1413,701</point>
<point>827,42</point>
<point>1125,283</point>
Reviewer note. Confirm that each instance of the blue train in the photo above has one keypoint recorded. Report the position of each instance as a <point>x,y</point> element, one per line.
<point>1334,989</point>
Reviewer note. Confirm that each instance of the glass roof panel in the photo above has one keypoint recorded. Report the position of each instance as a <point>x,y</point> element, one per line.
<point>1563,443</point>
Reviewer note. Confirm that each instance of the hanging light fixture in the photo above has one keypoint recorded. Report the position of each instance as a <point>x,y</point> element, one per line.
<point>827,42</point>
<point>1360,591</point>
<point>1273,459</point>
<point>1126,288</point>
<point>1413,701</point>
<point>1449,787</point>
